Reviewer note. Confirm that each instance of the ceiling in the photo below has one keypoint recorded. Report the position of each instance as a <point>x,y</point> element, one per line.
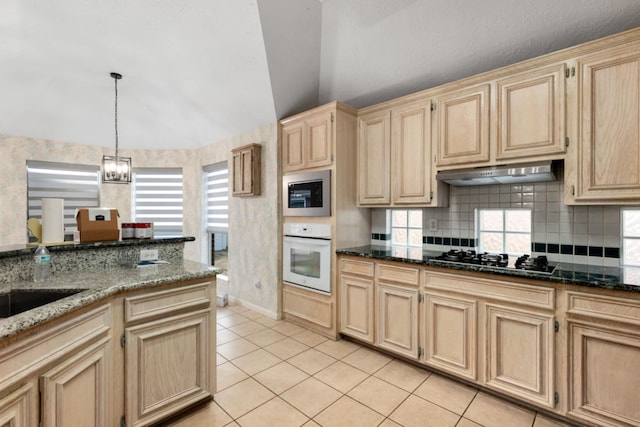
<point>199,71</point>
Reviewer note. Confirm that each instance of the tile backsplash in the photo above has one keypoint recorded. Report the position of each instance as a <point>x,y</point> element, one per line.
<point>576,234</point>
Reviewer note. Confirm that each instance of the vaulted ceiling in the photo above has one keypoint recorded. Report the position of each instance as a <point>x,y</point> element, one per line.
<point>198,71</point>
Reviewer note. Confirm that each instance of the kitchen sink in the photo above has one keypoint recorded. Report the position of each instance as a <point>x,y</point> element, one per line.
<point>18,300</point>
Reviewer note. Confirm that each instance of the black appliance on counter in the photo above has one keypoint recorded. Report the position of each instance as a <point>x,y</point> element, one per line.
<point>538,264</point>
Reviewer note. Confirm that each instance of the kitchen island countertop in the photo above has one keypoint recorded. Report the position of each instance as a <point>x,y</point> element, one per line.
<point>95,285</point>
<point>615,278</point>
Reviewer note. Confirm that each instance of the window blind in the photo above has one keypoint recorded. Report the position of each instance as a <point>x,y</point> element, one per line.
<point>78,185</point>
<point>217,197</point>
<point>157,198</point>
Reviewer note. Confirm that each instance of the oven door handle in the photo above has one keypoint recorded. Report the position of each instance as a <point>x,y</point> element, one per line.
<point>304,240</point>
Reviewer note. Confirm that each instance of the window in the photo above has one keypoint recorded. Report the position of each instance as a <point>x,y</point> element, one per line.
<point>631,237</point>
<point>78,185</point>
<point>406,227</point>
<point>217,212</point>
<point>504,231</point>
<point>157,198</point>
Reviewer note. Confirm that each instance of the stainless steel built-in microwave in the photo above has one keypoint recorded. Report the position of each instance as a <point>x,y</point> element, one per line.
<point>307,194</point>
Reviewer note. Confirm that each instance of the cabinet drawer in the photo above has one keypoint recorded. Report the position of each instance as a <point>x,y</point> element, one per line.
<point>604,307</point>
<point>162,303</point>
<point>352,266</point>
<point>398,274</point>
<point>532,295</point>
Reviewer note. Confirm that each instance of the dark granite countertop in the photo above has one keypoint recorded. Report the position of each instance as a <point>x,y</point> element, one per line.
<point>621,279</point>
<point>8,251</point>
<point>95,285</point>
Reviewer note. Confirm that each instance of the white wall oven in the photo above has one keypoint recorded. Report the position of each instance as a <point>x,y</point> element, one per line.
<point>307,256</point>
<point>307,194</point>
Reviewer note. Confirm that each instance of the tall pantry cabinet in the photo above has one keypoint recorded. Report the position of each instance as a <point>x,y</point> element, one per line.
<point>324,138</point>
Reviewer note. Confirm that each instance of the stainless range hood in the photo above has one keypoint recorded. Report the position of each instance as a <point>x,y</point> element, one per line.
<point>505,174</point>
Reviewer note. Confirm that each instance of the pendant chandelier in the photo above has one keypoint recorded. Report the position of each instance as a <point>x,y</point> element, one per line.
<point>116,169</point>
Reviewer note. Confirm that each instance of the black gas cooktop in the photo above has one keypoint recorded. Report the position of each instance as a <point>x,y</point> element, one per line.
<point>525,262</point>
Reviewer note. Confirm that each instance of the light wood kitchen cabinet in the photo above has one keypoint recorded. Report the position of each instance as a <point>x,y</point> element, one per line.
<point>396,314</point>
<point>395,162</point>
<point>357,299</point>
<point>411,169</point>
<point>463,126</point>
<point>77,392</point>
<point>520,354</point>
<point>374,159</point>
<point>169,355</point>
<point>531,113</point>
<point>604,165</point>
<point>17,409</point>
<point>307,142</point>
<point>514,336</point>
<point>62,373</point>
<point>450,334</point>
<point>604,355</point>
<point>246,170</point>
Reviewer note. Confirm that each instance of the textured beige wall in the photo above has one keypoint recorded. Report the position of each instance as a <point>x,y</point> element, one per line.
<point>254,226</point>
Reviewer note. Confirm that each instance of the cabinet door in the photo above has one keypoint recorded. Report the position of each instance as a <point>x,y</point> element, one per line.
<point>246,170</point>
<point>411,153</point>
<point>293,147</point>
<point>450,334</point>
<point>17,409</point>
<point>520,353</point>
<point>319,141</point>
<point>397,319</point>
<point>463,126</point>
<point>531,114</point>
<point>604,377</point>
<point>356,307</point>
<point>374,158</point>
<point>609,125</point>
<point>78,391</point>
<point>168,366</point>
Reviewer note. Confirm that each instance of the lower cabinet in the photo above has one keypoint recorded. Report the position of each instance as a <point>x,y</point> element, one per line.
<point>167,366</point>
<point>497,333</point>
<point>520,353</point>
<point>17,408</point>
<point>604,352</point>
<point>573,353</point>
<point>450,334</point>
<point>356,307</point>
<point>70,372</point>
<point>77,392</point>
<point>396,319</point>
<point>169,351</point>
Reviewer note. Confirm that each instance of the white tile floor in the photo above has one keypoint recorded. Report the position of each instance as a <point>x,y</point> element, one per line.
<point>277,374</point>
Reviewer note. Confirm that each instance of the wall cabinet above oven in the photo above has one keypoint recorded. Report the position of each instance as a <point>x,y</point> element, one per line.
<point>307,141</point>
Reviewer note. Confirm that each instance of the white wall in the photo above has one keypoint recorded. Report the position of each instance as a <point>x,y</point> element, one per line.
<point>254,224</point>
<point>378,50</point>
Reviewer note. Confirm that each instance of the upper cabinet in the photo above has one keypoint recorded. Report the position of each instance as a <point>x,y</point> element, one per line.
<point>463,126</point>
<point>530,113</point>
<point>246,170</point>
<point>604,165</point>
<point>307,142</point>
<point>395,162</point>
<point>515,118</point>
<point>374,158</point>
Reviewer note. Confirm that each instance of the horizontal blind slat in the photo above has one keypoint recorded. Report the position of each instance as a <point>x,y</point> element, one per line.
<point>217,197</point>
